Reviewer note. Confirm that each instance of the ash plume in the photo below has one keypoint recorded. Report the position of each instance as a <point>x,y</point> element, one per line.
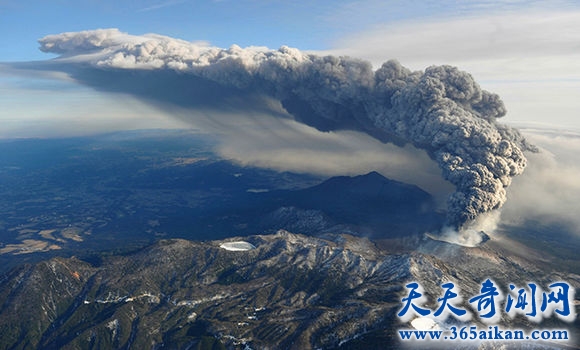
<point>441,110</point>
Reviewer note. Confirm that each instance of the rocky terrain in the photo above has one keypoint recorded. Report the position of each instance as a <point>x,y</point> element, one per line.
<point>290,292</point>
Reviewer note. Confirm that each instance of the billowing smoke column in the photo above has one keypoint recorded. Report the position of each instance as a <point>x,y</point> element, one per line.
<point>441,110</point>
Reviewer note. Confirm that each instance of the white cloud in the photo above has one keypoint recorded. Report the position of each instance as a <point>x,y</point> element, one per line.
<point>551,103</point>
<point>471,38</point>
<point>549,189</point>
<point>530,57</point>
<point>161,5</point>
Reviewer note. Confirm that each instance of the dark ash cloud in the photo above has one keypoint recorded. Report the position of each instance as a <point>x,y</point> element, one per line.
<point>441,110</point>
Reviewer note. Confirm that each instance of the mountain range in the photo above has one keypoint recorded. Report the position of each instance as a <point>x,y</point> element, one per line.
<point>290,292</point>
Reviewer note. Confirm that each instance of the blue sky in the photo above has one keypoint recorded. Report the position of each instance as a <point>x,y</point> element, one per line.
<point>527,51</point>
<point>221,22</point>
<point>308,25</point>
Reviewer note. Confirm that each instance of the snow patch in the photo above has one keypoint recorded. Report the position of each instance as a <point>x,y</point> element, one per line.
<point>238,246</point>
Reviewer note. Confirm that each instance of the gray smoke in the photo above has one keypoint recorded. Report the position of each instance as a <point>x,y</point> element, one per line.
<point>441,110</point>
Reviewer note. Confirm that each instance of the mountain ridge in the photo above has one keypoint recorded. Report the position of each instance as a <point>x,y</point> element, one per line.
<point>371,203</point>
<point>292,291</point>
